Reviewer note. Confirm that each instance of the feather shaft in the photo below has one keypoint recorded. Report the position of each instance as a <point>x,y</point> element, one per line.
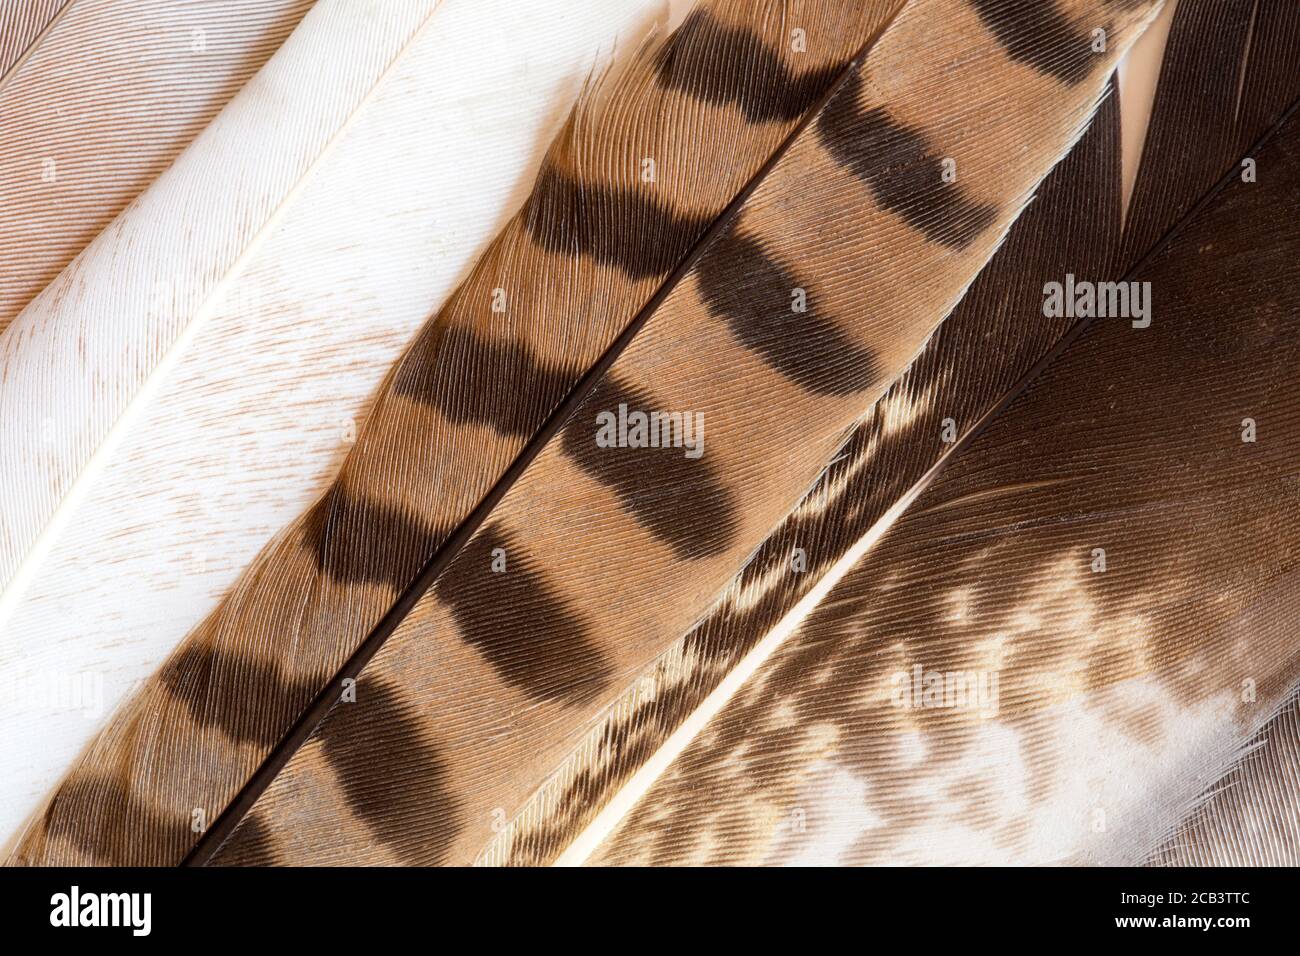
<point>531,662</point>
<point>99,102</point>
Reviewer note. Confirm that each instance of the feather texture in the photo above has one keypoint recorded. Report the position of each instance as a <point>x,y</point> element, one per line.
<point>71,386</point>
<point>1251,815</point>
<point>101,98</point>
<point>243,433</point>
<point>21,23</point>
<point>583,256</point>
<point>1120,688</point>
<point>973,359</point>
<point>609,553</point>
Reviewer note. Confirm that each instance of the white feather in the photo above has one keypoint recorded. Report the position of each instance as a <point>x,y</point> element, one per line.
<point>246,426</point>
<point>79,364</point>
<point>101,97</point>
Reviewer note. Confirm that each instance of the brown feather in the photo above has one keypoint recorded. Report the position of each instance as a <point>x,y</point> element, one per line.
<point>1167,660</point>
<point>974,358</point>
<point>611,553</point>
<point>589,248</point>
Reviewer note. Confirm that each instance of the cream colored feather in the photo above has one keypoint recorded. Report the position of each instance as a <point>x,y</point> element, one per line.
<point>97,98</point>
<point>74,381</point>
<point>21,23</point>
<point>248,423</point>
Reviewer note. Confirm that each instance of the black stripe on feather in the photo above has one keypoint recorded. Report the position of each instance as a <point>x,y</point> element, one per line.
<point>568,665</point>
<point>903,170</point>
<point>724,65</point>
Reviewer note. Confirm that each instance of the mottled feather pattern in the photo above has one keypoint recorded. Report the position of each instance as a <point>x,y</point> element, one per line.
<point>995,336</point>
<point>1119,690</point>
<point>1251,815</point>
<point>499,715</point>
<point>440,432</point>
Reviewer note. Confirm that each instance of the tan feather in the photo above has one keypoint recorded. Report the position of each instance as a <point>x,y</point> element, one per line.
<point>472,389</point>
<point>611,553</point>
<point>251,423</point>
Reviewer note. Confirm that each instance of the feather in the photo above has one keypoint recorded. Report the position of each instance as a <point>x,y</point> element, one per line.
<point>1119,689</point>
<point>246,429</point>
<point>458,407</point>
<point>71,384</point>
<point>973,359</point>
<point>21,22</point>
<point>603,555</point>
<point>1251,815</point>
<point>96,100</point>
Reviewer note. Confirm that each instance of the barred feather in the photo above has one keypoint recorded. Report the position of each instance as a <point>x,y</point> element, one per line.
<point>1120,690</point>
<point>252,422</point>
<point>609,553</point>
<point>963,373</point>
<point>972,360</point>
<point>574,266</point>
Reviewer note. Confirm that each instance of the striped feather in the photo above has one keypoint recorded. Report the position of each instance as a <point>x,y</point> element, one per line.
<point>609,554</point>
<point>249,426</point>
<point>981,351</point>
<point>21,24</point>
<point>457,408</point>
<point>1121,690</point>
<point>97,98</point>
<point>973,359</point>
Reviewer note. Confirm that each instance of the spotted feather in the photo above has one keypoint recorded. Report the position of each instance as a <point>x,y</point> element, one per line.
<point>623,562</point>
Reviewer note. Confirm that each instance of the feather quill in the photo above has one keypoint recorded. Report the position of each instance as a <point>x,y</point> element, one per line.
<point>811,760</point>
<point>71,384</point>
<point>600,232</point>
<point>596,557</point>
<point>96,100</point>
<point>245,431</point>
